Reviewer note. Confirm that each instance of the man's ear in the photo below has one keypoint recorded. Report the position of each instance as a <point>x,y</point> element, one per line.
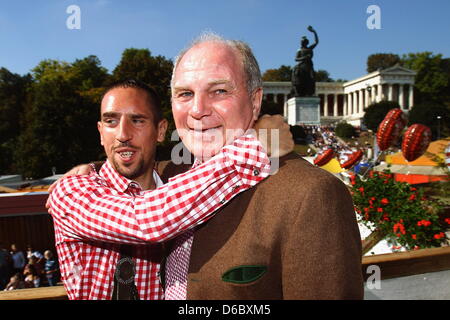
<point>162,128</point>
<point>256,102</point>
<point>100,129</point>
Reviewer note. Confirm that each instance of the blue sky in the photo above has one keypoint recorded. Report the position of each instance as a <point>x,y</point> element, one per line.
<point>31,31</point>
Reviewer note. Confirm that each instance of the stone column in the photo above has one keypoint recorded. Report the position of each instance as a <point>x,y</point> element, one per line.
<point>344,107</point>
<point>360,101</point>
<point>367,101</point>
<point>401,100</point>
<point>390,92</point>
<point>335,105</point>
<point>325,105</point>
<point>411,96</point>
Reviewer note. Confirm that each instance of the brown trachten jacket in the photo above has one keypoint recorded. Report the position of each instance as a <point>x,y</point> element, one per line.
<point>293,236</point>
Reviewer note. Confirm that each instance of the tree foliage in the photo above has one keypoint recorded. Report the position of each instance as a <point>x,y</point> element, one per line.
<point>13,93</point>
<point>60,120</point>
<point>427,114</point>
<point>381,61</point>
<point>283,73</point>
<point>322,76</point>
<point>432,83</point>
<point>345,130</point>
<point>376,112</point>
<point>155,71</point>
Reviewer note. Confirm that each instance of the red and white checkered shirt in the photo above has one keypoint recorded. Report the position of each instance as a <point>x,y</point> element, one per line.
<point>94,214</point>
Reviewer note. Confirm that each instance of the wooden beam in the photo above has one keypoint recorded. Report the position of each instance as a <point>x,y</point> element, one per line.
<point>44,293</point>
<point>6,189</point>
<point>400,264</point>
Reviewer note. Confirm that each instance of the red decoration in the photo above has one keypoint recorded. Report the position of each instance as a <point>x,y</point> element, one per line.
<point>324,157</point>
<point>416,141</point>
<point>353,159</point>
<point>390,128</point>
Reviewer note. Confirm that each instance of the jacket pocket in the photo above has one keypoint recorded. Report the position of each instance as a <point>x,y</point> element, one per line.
<point>244,274</point>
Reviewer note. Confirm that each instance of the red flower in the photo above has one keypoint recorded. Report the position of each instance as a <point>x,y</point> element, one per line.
<point>380,210</point>
<point>416,247</point>
<point>385,217</point>
<point>424,223</point>
<point>384,201</point>
<point>413,189</point>
<point>412,197</point>
<point>401,227</point>
<point>447,220</point>
<point>361,189</point>
<point>439,235</point>
<point>414,236</point>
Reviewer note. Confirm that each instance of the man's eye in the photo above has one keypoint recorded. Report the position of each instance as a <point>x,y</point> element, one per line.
<point>221,91</point>
<point>185,94</point>
<point>110,121</point>
<point>138,121</point>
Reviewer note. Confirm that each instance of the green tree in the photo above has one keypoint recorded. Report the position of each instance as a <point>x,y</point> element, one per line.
<point>381,61</point>
<point>283,73</point>
<point>432,83</point>
<point>376,112</point>
<point>155,71</point>
<point>322,76</point>
<point>345,130</point>
<point>60,120</point>
<point>427,114</point>
<point>13,93</point>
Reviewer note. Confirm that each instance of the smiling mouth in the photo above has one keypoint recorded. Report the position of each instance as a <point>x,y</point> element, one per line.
<point>126,154</point>
<point>201,130</point>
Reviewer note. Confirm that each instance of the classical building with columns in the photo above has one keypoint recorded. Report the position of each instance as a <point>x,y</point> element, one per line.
<point>346,101</point>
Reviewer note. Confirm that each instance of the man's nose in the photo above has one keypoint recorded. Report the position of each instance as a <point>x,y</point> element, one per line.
<point>125,130</point>
<point>200,107</point>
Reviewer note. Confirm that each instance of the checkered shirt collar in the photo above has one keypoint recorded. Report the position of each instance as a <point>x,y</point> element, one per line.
<point>120,182</point>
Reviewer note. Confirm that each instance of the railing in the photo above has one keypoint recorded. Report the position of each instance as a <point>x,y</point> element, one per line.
<point>44,293</point>
<point>392,265</point>
<point>400,264</point>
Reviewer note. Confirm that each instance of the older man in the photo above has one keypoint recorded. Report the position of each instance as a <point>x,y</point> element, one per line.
<point>294,236</point>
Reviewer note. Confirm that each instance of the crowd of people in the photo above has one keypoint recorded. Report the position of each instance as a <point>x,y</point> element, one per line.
<point>323,137</point>
<point>27,269</point>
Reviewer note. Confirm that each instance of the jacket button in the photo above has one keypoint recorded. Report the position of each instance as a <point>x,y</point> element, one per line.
<point>256,172</point>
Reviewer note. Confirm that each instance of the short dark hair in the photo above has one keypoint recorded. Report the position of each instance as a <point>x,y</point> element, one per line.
<point>154,99</point>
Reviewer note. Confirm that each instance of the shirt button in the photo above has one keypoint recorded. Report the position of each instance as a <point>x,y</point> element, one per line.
<point>256,172</point>
<point>177,283</point>
<point>185,245</point>
<point>222,201</point>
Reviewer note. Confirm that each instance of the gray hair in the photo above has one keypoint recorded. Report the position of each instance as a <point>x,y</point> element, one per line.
<point>251,67</point>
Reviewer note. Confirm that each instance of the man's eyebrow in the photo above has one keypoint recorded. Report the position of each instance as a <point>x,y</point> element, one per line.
<point>139,116</point>
<point>220,81</point>
<point>110,114</point>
